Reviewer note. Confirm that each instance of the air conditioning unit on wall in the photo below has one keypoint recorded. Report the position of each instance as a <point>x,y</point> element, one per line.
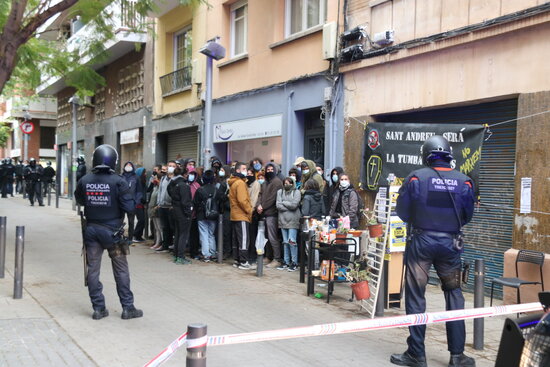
<point>383,38</point>
<point>329,40</point>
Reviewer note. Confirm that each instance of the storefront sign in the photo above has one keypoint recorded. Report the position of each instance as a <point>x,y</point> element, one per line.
<point>256,128</point>
<point>129,136</point>
<point>392,150</point>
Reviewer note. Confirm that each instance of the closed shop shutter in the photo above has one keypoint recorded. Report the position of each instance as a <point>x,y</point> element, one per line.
<point>489,234</point>
<point>182,144</point>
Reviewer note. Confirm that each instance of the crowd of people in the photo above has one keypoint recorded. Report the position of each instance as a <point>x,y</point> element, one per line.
<point>28,177</point>
<point>183,203</point>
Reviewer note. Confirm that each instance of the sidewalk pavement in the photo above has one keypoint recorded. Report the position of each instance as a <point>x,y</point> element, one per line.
<point>52,325</point>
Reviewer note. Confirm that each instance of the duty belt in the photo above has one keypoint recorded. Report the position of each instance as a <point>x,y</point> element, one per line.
<point>434,233</point>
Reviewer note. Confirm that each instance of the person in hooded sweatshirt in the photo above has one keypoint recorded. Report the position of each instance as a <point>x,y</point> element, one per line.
<point>136,192</point>
<point>140,206</point>
<point>328,194</point>
<point>345,202</point>
<point>268,208</point>
<point>241,215</point>
<point>194,242</point>
<point>313,204</point>
<point>254,188</point>
<point>288,207</point>
<point>182,205</point>
<point>309,172</point>
<point>223,186</point>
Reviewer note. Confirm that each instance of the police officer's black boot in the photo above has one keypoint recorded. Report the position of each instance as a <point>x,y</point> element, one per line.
<point>407,359</point>
<point>461,360</point>
<point>131,313</point>
<point>100,313</point>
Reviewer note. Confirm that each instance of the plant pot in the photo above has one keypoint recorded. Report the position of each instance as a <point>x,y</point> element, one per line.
<point>361,290</point>
<point>340,238</point>
<point>375,230</point>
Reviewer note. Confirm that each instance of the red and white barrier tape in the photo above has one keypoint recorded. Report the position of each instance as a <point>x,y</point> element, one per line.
<point>355,326</point>
<point>168,351</point>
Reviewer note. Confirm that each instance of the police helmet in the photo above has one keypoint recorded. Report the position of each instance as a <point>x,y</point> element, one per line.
<point>48,163</point>
<point>32,161</point>
<point>105,156</point>
<point>436,147</point>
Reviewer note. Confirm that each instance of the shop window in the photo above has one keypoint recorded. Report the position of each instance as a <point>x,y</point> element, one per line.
<point>304,14</point>
<point>239,28</point>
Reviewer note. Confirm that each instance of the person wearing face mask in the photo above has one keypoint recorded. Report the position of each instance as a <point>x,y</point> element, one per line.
<point>294,174</point>
<point>152,210</point>
<point>334,179</point>
<point>241,215</point>
<point>182,210</point>
<point>268,208</point>
<point>309,172</point>
<point>207,208</point>
<point>345,202</point>
<point>164,204</point>
<point>194,242</point>
<point>221,184</point>
<point>129,175</point>
<point>256,165</point>
<point>216,164</point>
<point>140,206</point>
<point>288,207</point>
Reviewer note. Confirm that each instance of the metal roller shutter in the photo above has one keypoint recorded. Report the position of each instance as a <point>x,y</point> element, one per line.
<point>182,144</point>
<point>489,234</point>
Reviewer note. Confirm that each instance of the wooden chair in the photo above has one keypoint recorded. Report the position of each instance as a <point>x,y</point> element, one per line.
<point>526,256</point>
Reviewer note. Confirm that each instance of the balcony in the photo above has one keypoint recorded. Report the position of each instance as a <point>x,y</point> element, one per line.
<point>175,82</point>
<point>126,24</point>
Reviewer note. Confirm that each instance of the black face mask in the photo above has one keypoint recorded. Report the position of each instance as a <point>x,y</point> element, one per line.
<point>250,179</point>
<point>269,175</point>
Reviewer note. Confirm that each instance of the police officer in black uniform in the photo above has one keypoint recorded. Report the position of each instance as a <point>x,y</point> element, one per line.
<point>19,177</point>
<point>81,168</point>
<point>3,178</point>
<point>33,177</point>
<point>436,201</point>
<point>10,170</point>
<point>49,174</point>
<point>106,198</point>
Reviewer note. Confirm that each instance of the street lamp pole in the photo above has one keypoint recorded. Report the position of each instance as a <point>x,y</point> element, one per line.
<point>26,117</point>
<point>75,103</point>
<point>212,50</point>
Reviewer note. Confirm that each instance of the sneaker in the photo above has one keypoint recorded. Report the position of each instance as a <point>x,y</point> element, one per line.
<point>244,266</point>
<point>138,239</point>
<point>236,264</point>
<point>461,360</point>
<point>274,264</point>
<point>292,267</point>
<point>205,260</point>
<point>282,267</point>
<point>100,313</point>
<point>155,247</point>
<point>253,266</point>
<point>41,205</point>
<point>182,261</point>
<point>161,249</point>
<point>171,247</point>
<point>407,359</point>
<point>131,313</point>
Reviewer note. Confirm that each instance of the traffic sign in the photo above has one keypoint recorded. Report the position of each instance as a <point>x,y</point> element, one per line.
<point>27,127</point>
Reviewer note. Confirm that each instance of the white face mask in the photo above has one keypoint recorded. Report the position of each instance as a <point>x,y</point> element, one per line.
<point>320,172</point>
<point>191,178</point>
<point>344,183</point>
<point>221,173</point>
<point>171,169</point>
<point>128,168</point>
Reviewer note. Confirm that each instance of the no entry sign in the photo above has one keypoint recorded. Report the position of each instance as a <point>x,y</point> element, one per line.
<point>27,127</point>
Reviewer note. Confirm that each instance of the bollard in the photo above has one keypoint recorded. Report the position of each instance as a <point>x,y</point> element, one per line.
<point>479,301</point>
<point>56,195</point>
<point>196,345</point>
<point>49,188</point>
<point>19,249</point>
<point>260,265</point>
<point>3,224</point>
<point>220,238</point>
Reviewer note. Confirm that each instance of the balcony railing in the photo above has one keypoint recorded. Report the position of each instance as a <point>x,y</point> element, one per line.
<point>176,81</point>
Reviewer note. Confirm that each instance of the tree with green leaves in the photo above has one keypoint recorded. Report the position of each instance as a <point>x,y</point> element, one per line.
<point>5,132</point>
<point>26,58</point>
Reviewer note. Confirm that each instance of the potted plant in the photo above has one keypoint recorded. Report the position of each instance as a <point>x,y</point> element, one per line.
<point>341,234</point>
<point>358,273</point>
<point>375,228</point>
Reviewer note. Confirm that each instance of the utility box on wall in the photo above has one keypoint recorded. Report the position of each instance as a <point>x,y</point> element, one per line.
<point>329,40</point>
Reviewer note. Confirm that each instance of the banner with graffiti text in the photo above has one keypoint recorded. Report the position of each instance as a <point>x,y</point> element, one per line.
<point>392,150</point>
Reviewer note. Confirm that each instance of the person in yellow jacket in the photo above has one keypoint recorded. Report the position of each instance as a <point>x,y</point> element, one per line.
<point>241,215</point>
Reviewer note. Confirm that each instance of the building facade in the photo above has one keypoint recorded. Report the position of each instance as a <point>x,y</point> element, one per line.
<point>276,96</point>
<point>119,113</point>
<point>474,61</point>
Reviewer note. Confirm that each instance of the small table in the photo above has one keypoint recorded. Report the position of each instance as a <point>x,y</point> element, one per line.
<point>335,250</point>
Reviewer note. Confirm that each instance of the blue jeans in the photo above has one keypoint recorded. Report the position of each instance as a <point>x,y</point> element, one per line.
<point>97,240</point>
<point>207,230</point>
<point>291,246</point>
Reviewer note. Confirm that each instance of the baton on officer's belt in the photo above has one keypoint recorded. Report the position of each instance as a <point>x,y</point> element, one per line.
<point>84,256</point>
